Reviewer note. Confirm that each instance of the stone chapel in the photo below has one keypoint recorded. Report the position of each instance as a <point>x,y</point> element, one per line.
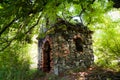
<point>66,46</point>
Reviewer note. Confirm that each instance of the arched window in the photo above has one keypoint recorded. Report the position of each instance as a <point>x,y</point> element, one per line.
<point>78,43</point>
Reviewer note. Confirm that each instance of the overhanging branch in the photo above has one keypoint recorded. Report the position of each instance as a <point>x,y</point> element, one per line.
<point>7,26</point>
<point>83,9</point>
<point>34,25</point>
<point>10,41</point>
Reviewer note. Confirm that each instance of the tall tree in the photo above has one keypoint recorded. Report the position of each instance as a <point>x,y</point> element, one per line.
<point>19,18</point>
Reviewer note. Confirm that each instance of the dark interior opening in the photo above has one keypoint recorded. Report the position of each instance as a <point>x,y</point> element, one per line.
<point>78,44</point>
<point>46,57</point>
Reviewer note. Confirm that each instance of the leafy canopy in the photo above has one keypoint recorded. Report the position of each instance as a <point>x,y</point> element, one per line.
<point>21,19</point>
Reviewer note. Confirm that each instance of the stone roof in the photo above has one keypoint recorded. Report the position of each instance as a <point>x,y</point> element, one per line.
<point>62,25</point>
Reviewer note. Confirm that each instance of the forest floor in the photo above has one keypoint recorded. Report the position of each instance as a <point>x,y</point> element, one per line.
<point>90,74</point>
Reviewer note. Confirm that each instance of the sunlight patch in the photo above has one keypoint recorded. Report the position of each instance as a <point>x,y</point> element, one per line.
<point>33,51</point>
<point>115,15</point>
<point>71,9</point>
<point>1,7</point>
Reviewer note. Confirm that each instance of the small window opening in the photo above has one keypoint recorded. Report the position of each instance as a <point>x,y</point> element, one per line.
<point>78,44</point>
<point>46,57</point>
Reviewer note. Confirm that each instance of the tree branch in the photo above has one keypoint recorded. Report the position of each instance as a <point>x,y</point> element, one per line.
<point>34,25</point>
<point>7,26</point>
<point>10,41</point>
<point>83,9</point>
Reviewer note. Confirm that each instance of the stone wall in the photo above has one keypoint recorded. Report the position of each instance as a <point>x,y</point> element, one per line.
<point>70,49</point>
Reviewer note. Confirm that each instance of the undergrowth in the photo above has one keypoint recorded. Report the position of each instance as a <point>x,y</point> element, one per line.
<point>15,63</point>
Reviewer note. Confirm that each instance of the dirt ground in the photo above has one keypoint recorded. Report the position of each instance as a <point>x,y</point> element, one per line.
<point>94,73</point>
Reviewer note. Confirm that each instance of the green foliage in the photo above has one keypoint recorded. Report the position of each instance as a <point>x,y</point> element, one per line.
<point>107,46</point>
<point>15,63</point>
<point>95,13</point>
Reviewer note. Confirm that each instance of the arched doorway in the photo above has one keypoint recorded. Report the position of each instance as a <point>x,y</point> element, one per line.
<point>46,57</point>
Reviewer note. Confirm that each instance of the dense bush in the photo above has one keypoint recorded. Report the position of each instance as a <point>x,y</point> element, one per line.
<point>107,47</point>
<point>15,63</point>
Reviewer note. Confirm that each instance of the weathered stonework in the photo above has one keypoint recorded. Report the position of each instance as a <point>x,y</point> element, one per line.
<point>65,47</point>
